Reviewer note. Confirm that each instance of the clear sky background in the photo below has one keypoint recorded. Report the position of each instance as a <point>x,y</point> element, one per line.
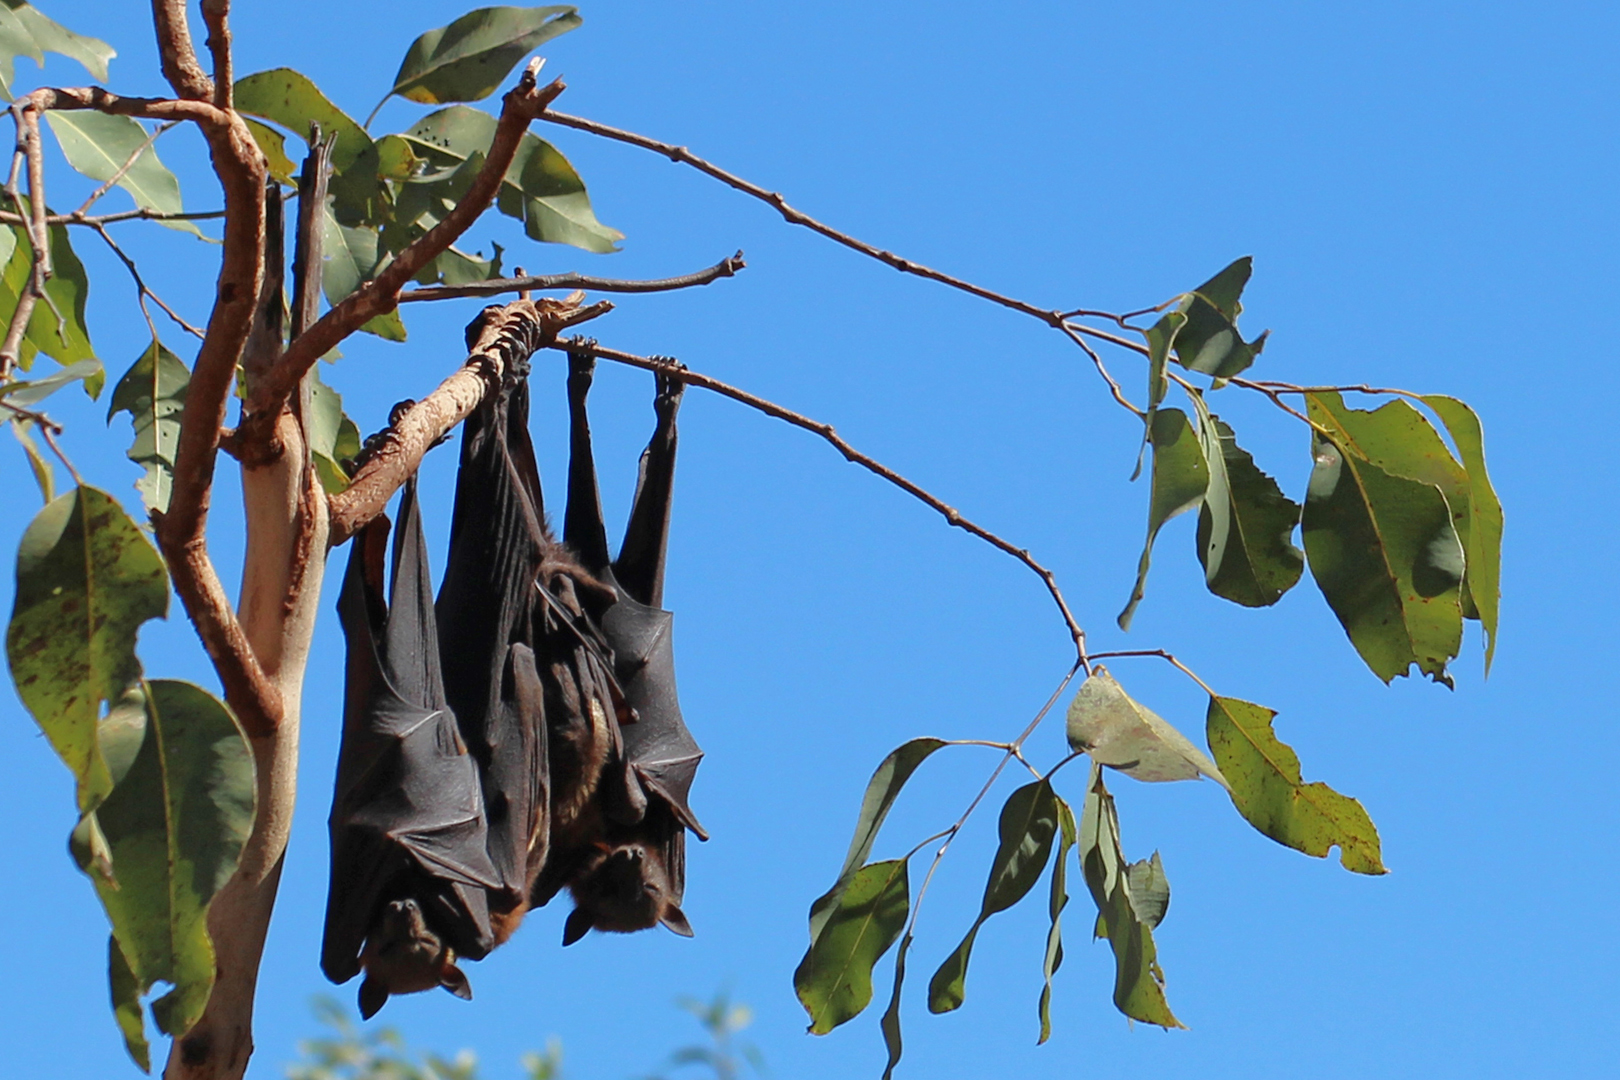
<point>1428,193</point>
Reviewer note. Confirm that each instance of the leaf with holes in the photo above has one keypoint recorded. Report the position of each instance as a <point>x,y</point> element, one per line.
<point>1246,525</point>
<point>1138,979</point>
<point>834,980</point>
<point>1270,793</point>
<point>468,60</point>
<point>153,392</point>
<point>1107,723</point>
<point>99,144</point>
<point>1029,820</point>
<point>1180,479</point>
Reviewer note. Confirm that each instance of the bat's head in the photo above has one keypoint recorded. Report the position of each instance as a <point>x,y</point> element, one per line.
<point>404,956</point>
<point>622,889</point>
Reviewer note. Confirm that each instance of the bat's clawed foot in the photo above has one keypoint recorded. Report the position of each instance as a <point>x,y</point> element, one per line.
<point>667,397</point>
<point>581,369</point>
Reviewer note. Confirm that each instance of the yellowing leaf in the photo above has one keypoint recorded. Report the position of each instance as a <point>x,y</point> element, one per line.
<point>1268,790</point>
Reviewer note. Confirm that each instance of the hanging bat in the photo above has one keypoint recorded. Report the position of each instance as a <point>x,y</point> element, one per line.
<point>525,671</point>
<point>636,876</point>
<point>498,543</point>
<point>410,862</point>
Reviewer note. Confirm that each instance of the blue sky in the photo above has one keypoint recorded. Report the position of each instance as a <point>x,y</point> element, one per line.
<point>1427,191</point>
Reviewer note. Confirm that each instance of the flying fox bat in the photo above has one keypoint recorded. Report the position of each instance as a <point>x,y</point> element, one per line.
<point>636,876</point>
<point>410,861</point>
<point>525,671</point>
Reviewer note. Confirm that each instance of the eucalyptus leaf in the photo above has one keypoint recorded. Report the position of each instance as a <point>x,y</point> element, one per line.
<point>1246,524</point>
<point>31,392</point>
<point>1149,889</point>
<point>86,581</point>
<point>153,392</point>
<point>1160,337</point>
<point>834,980</point>
<point>350,257</point>
<point>1138,979</point>
<point>889,1024</point>
<point>540,188</point>
<point>1029,819</point>
<point>175,823</point>
<point>288,98</point>
<point>1484,538</point>
<point>44,35</point>
<point>98,144</point>
<point>1180,479</point>
<point>67,341</point>
<point>273,145</point>
<point>1386,556</point>
<point>1106,723</point>
<point>44,476</point>
<point>333,437</point>
<point>468,60</point>
<point>1209,341</point>
<point>1067,834</point>
<point>1269,791</point>
<point>881,791</point>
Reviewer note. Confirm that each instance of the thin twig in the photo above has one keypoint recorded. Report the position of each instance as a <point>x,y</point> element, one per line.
<point>1113,387</point>
<point>36,417</point>
<point>1162,654</point>
<point>524,283</point>
<point>27,152</point>
<point>118,174</point>
<point>138,214</point>
<point>143,291</point>
<point>676,370</point>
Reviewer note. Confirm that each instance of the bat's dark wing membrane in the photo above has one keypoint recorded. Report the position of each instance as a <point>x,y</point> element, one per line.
<point>486,631</point>
<point>407,813</point>
<point>659,748</point>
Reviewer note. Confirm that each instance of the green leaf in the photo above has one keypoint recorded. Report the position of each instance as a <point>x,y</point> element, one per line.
<point>153,392</point>
<point>288,98</point>
<point>273,145</point>
<point>1209,341</point>
<point>881,791</point>
<point>1246,525</point>
<point>889,1024</point>
<point>1145,880</point>
<point>351,256</point>
<point>126,1002</point>
<point>1180,479</point>
<point>1160,336</point>
<point>1138,979</point>
<point>67,341</point>
<point>541,188</point>
<point>1028,822</point>
<point>834,980</point>
<point>44,476</point>
<point>97,145</point>
<point>1059,900</point>
<point>1107,723</point>
<point>24,31</point>
<point>1484,534</point>
<point>1269,792</point>
<point>32,391</point>
<point>1385,554</point>
<point>467,60</point>
<point>86,581</point>
<point>332,435</point>
<point>175,823</point>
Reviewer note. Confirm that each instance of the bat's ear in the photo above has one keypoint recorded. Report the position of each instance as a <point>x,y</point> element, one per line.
<point>454,980</point>
<point>674,918</point>
<point>373,996</point>
<point>578,925</point>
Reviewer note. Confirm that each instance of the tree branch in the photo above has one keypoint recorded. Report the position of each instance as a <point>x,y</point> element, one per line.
<point>498,338</point>
<point>175,52</point>
<point>216,16</point>
<point>28,149</point>
<point>94,97</point>
<point>381,295</point>
<point>677,370</point>
<point>496,286</point>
